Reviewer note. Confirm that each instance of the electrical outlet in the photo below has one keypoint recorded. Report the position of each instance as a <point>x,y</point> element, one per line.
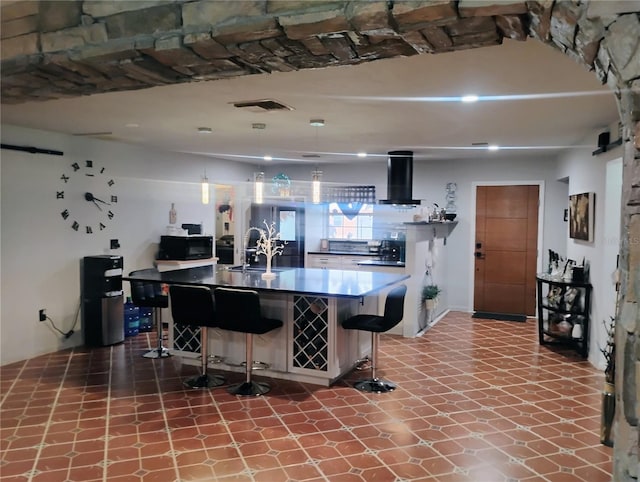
<point>42,314</point>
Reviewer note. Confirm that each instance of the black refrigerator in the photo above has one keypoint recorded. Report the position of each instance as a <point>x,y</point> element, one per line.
<point>289,222</point>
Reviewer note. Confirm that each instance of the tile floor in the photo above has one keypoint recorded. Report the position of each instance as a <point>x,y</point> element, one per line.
<point>477,400</point>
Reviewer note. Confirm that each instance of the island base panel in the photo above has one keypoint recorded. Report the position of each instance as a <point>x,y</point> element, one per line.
<point>311,347</point>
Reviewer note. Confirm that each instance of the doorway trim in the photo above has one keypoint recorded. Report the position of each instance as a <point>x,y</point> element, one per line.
<point>472,226</point>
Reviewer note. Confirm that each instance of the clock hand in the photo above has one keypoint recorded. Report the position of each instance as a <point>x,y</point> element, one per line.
<point>90,197</point>
<point>100,201</point>
<point>97,205</point>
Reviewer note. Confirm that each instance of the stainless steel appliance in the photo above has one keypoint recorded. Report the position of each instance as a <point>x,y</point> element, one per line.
<point>392,250</point>
<point>289,222</point>
<point>192,228</point>
<point>183,248</point>
<point>101,300</point>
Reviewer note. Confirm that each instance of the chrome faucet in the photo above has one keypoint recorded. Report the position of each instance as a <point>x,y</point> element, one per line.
<point>245,242</point>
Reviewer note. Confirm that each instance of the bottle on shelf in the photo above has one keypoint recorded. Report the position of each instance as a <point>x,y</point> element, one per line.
<point>131,318</point>
<point>173,215</point>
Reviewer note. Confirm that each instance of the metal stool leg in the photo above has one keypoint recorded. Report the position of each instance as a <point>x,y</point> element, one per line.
<point>249,388</point>
<point>204,380</point>
<point>374,384</point>
<point>161,351</point>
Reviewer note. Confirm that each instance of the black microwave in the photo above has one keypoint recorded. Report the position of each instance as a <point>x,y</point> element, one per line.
<point>185,247</point>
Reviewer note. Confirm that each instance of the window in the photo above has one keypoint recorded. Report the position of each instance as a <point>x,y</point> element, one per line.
<point>287,225</point>
<point>355,227</point>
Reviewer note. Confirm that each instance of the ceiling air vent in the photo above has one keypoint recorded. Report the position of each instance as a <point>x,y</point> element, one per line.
<point>104,135</point>
<point>261,105</point>
<point>311,156</point>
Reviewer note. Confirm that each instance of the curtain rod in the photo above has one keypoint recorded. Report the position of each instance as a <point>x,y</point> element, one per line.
<point>32,150</point>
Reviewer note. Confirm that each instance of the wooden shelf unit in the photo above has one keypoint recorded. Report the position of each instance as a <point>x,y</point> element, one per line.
<point>561,306</point>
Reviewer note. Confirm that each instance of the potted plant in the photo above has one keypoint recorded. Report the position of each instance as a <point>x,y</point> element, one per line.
<point>430,296</point>
<point>608,392</point>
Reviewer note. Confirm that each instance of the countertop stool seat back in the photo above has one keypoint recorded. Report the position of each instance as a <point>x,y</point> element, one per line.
<point>150,295</point>
<point>194,306</point>
<point>376,324</point>
<point>239,310</point>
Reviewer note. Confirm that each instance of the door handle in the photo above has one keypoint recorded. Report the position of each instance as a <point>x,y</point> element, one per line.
<point>479,255</point>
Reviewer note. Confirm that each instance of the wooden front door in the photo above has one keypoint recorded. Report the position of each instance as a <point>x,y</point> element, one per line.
<point>506,249</point>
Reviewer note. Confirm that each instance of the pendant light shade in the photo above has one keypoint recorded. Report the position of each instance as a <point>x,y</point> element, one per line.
<point>258,188</point>
<point>315,186</point>
<point>205,189</point>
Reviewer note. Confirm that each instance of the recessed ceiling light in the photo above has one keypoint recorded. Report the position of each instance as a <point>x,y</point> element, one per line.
<point>469,98</point>
<point>205,130</point>
<point>316,122</point>
<point>267,157</point>
<point>132,125</point>
<point>362,154</point>
<point>493,147</point>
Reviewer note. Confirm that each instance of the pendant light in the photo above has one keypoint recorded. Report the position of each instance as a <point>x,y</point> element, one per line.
<point>205,188</point>
<point>315,186</point>
<point>258,187</point>
<point>316,174</point>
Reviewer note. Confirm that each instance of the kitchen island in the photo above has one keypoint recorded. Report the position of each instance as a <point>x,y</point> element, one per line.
<point>311,347</point>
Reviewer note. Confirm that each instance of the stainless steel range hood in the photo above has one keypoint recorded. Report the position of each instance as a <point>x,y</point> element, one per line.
<point>400,179</point>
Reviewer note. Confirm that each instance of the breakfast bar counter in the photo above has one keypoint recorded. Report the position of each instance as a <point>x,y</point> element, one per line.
<point>311,347</point>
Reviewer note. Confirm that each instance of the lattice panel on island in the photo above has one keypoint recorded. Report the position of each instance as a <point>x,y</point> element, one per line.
<point>310,333</point>
<point>186,338</point>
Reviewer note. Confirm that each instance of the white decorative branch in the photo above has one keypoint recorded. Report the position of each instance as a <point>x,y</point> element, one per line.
<point>269,244</point>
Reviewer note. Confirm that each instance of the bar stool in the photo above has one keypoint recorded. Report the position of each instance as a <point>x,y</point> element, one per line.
<point>194,306</point>
<point>149,294</point>
<point>393,313</point>
<point>239,310</point>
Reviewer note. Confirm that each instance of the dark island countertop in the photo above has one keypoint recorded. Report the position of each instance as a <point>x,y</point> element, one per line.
<point>307,281</point>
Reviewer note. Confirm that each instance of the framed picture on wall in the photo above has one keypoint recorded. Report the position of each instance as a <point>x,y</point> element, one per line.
<point>582,216</point>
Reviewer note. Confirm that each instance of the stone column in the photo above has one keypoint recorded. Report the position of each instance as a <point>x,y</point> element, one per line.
<point>627,435</point>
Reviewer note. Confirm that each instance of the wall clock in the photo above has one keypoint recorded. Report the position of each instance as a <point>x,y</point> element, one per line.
<point>86,197</point>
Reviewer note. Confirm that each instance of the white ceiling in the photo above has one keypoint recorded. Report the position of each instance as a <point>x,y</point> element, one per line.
<point>550,103</point>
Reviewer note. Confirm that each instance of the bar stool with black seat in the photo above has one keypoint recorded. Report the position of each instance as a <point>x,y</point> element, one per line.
<point>194,306</point>
<point>376,324</point>
<point>149,294</point>
<point>239,310</point>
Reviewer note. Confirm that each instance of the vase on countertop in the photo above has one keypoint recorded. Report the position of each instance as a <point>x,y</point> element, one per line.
<point>608,413</point>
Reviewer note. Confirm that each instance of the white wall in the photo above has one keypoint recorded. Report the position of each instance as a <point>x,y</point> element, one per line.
<point>611,249</point>
<point>40,253</point>
<point>429,182</point>
<point>588,173</point>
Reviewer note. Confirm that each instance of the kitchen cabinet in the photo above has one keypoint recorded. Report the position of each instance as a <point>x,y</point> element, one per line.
<point>334,261</point>
<point>351,262</point>
<point>328,261</point>
<point>563,313</point>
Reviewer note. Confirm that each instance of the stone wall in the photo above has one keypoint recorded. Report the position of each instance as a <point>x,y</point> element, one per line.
<point>55,49</point>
